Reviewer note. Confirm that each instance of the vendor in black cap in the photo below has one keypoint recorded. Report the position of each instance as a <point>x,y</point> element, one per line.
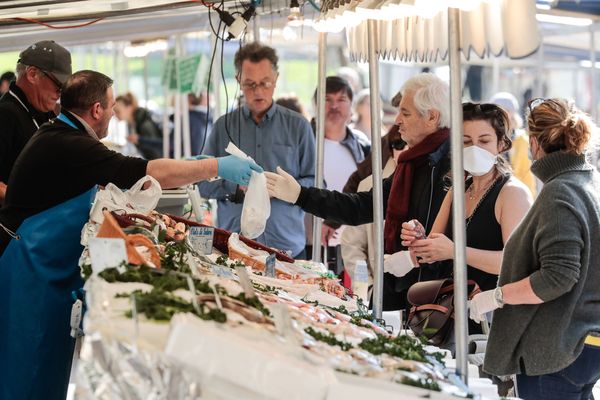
<point>42,69</point>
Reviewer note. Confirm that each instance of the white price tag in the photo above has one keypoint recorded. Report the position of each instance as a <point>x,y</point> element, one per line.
<point>245,282</point>
<point>270,266</point>
<point>106,253</point>
<point>201,238</point>
<point>283,320</point>
<point>223,272</point>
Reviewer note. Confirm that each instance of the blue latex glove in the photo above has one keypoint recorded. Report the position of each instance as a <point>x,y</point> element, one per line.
<point>237,170</point>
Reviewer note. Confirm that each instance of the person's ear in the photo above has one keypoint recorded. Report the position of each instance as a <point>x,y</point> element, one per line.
<point>96,110</point>
<point>32,75</point>
<point>533,147</point>
<point>433,118</point>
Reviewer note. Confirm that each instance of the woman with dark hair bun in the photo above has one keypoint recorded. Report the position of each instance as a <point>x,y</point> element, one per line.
<point>546,324</point>
<point>495,201</point>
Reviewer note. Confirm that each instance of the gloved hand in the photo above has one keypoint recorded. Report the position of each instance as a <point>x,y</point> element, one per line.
<point>236,170</point>
<point>482,304</point>
<point>398,264</point>
<point>283,186</point>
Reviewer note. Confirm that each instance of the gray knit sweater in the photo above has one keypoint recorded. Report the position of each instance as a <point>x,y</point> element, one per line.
<point>557,246</point>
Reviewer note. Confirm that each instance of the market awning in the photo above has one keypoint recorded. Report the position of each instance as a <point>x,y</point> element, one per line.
<point>417,30</point>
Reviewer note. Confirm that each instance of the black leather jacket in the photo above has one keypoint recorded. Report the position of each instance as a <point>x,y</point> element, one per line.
<point>429,189</point>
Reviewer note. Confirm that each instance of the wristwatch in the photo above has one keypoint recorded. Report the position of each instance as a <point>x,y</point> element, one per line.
<point>499,297</point>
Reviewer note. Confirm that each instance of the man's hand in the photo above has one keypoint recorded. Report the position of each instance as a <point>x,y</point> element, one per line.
<point>236,170</point>
<point>328,233</point>
<point>133,138</point>
<point>399,264</point>
<point>2,192</point>
<point>282,186</point>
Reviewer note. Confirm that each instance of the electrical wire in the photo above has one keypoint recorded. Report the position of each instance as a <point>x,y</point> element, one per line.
<point>227,114</point>
<point>315,6</point>
<point>208,112</point>
<point>212,28</point>
<point>205,4</point>
<point>35,21</point>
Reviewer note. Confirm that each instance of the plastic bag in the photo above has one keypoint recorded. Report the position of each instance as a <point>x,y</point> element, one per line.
<point>134,200</point>
<point>257,204</point>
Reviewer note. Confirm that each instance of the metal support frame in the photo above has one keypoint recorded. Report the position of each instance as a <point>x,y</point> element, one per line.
<point>373,39</point>
<point>177,111</point>
<point>458,198</point>
<point>318,222</point>
<point>593,74</point>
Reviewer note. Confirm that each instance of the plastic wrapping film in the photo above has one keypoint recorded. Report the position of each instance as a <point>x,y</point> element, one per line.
<point>110,369</point>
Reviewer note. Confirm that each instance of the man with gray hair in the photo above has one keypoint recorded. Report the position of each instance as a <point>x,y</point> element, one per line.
<point>415,190</point>
<point>42,69</point>
<point>273,136</point>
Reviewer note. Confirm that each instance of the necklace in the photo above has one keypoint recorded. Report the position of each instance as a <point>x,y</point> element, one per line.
<point>473,193</point>
<point>487,191</point>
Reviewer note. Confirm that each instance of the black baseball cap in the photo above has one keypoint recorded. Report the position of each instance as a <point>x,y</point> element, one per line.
<point>48,56</point>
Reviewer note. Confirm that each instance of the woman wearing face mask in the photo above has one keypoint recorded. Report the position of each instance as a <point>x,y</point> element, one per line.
<point>495,201</point>
<point>546,325</point>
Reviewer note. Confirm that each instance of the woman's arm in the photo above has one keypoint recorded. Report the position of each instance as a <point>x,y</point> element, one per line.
<point>511,206</point>
<point>520,292</point>
<point>441,220</point>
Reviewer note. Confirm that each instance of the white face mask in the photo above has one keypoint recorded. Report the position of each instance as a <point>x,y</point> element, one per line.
<point>478,161</point>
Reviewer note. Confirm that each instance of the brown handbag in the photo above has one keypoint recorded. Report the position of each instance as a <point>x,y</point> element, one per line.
<point>432,313</point>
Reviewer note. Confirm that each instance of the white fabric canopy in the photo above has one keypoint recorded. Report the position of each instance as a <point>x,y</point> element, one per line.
<point>419,39</point>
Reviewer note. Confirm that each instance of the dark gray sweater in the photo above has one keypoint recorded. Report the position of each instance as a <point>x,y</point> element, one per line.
<point>557,246</point>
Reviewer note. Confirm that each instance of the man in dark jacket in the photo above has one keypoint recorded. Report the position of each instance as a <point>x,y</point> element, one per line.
<point>415,191</point>
<point>42,69</point>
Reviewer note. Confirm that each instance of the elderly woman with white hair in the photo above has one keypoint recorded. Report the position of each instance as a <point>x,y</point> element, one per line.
<point>415,190</point>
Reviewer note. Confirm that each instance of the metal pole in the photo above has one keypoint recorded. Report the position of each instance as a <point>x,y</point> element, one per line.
<point>539,81</point>
<point>255,29</point>
<point>593,75</point>
<point>495,77</point>
<point>146,95</point>
<point>318,222</point>
<point>185,111</point>
<point>177,113</point>
<point>166,131</point>
<point>373,39</point>
<point>458,198</point>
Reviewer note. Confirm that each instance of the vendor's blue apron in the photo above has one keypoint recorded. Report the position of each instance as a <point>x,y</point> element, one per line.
<point>38,273</point>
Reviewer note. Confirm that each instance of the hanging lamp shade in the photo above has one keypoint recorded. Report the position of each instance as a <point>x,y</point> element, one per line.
<point>417,30</point>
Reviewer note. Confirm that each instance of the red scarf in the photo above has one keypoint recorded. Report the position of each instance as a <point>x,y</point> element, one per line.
<point>399,198</point>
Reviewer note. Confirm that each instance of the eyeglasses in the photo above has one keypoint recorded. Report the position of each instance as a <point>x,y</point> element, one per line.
<point>262,85</point>
<point>532,104</point>
<point>485,109</point>
<point>53,79</point>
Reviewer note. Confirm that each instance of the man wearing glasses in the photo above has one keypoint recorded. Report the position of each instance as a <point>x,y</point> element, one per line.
<point>31,100</point>
<point>274,137</point>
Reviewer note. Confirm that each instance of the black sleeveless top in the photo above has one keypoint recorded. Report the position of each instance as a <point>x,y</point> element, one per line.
<point>483,232</point>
